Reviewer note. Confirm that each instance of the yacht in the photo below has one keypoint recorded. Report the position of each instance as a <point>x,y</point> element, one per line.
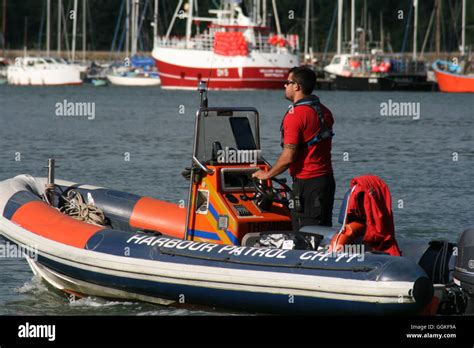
<point>42,71</point>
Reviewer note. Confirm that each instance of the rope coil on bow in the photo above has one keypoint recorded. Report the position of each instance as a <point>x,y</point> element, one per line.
<point>75,207</point>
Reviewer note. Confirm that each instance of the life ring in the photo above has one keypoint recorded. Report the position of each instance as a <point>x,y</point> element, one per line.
<point>349,233</point>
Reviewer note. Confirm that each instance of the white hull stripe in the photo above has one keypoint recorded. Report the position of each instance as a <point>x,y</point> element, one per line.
<point>178,77</point>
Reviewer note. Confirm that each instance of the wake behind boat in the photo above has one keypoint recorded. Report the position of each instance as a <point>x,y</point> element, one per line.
<point>231,247</point>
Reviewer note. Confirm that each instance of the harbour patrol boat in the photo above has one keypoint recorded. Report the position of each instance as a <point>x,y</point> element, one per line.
<point>232,246</point>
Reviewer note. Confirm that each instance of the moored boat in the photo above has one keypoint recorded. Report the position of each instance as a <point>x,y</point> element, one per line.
<point>450,78</point>
<point>134,78</point>
<point>377,72</point>
<point>234,52</point>
<point>99,82</point>
<point>142,72</point>
<point>38,71</point>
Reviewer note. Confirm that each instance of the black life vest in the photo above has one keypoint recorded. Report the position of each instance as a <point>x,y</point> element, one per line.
<point>323,134</point>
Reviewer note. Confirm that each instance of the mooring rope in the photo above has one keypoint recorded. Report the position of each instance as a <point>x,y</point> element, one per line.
<point>75,207</point>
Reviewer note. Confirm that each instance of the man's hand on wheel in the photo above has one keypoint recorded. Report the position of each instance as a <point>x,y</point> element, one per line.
<point>262,175</point>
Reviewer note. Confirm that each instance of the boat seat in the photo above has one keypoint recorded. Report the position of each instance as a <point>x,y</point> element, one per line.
<point>327,232</point>
<point>323,234</point>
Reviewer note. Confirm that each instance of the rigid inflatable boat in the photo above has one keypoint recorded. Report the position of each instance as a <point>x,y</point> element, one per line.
<point>225,248</point>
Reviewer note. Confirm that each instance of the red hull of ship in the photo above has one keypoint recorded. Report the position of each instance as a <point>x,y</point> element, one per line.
<point>180,77</point>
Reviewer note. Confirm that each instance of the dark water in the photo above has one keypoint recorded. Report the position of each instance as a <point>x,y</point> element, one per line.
<point>428,163</point>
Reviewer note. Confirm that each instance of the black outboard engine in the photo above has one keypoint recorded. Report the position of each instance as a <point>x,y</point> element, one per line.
<point>450,268</point>
<point>464,269</point>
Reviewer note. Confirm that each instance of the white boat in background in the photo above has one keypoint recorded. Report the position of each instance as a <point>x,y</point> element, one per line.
<point>142,72</point>
<point>134,77</point>
<point>38,71</point>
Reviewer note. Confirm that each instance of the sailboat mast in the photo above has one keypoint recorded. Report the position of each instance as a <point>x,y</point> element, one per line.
<point>382,39</point>
<point>48,25</point>
<point>25,36</point>
<point>4,25</point>
<point>135,13</point>
<point>339,26</point>
<point>254,11</point>
<point>132,28</point>
<point>366,16</point>
<point>370,27</point>
<point>438,27</point>
<point>428,31</point>
<point>258,10</point>
<point>59,27</point>
<point>66,34</point>
<point>306,31</point>
<point>127,28</point>
<point>277,19</point>
<point>74,31</point>
<point>155,21</point>
<point>352,26</point>
<point>463,28</point>
<point>84,32</point>
<point>415,28</point>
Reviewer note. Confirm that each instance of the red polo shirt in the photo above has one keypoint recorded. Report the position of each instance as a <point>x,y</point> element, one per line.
<point>301,126</point>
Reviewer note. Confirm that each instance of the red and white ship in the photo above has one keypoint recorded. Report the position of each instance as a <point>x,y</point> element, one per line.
<point>234,52</point>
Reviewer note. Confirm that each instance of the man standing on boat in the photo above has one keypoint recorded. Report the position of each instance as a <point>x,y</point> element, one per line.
<point>306,134</point>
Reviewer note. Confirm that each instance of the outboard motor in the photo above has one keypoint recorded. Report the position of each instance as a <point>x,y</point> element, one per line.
<point>464,269</point>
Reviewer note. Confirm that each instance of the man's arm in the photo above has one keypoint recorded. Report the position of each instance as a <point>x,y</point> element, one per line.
<point>287,157</point>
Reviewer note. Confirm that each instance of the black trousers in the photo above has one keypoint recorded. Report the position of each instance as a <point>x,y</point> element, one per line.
<point>316,196</point>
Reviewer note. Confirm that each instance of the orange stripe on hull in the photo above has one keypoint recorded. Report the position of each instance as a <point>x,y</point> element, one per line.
<point>43,220</point>
<point>153,214</point>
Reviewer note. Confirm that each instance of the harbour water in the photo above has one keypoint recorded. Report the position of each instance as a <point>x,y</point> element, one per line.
<point>140,139</point>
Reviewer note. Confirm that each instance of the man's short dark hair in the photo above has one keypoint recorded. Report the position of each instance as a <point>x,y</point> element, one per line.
<point>305,77</point>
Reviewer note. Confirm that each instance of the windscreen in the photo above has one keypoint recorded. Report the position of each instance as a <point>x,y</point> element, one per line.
<point>232,129</point>
<point>243,134</point>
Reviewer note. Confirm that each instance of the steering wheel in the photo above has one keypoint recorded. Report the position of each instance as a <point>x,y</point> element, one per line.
<point>271,192</point>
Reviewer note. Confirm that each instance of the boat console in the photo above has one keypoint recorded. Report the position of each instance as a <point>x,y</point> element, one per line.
<point>226,203</point>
